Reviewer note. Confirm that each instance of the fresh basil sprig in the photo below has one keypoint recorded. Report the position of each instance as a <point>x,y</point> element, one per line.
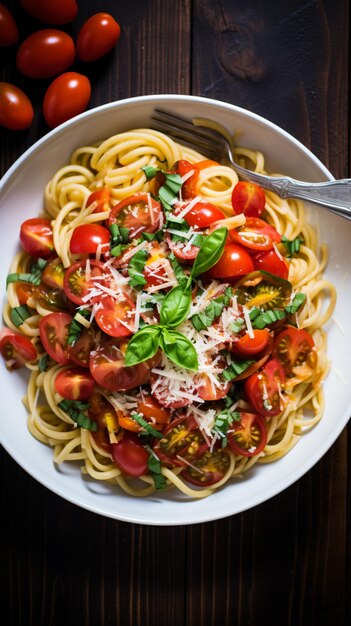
<point>143,345</point>
<point>210,251</point>
<point>179,349</point>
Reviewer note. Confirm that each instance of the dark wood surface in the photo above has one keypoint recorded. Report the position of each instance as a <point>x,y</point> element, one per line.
<point>287,561</point>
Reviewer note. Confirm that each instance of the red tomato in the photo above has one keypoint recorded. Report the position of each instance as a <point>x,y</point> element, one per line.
<point>130,456</point>
<point>24,291</point>
<point>86,239</point>
<point>134,213</point>
<point>249,346</point>
<point>53,331</point>
<point>151,411</point>
<point>207,391</point>
<point>260,360</point>
<point>36,237</point>
<point>79,352</point>
<point>108,368</point>
<point>189,186</point>
<point>75,283</point>
<point>102,413</point>
<point>74,383</point>
<point>53,274</point>
<point>255,234</point>
<point>102,198</point>
<point>207,469</point>
<point>67,96</point>
<point>249,435</point>
<point>234,262</point>
<point>271,262</point>
<point>160,391</point>
<point>262,389</point>
<point>8,29</point>
<point>295,350</point>
<point>16,349</point>
<point>52,298</point>
<point>116,317</point>
<point>182,438</point>
<point>16,111</point>
<point>180,250</point>
<point>45,53</point>
<point>60,12</point>
<point>202,214</point>
<point>98,35</point>
<point>248,198</point>
<point>155,274</point>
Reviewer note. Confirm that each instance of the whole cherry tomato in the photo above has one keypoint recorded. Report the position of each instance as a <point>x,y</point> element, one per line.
<point>45,53</point>
<point>248,198</point>
<point>16,111</point>
<point>67,96</point>
<point>234,262</point>
<point>98,35</point>
<point>86,239</point>
<point>8,29</point>
<point>36,237</point>
<point>130,456</point>
<point>60,12</point>
<point>271,262</point>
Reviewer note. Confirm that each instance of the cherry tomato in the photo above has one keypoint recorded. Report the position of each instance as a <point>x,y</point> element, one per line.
<point>9,34</point>
<point>103,414</point>
<point>234,262</point>
<point>263,290</point>
<point>79,351</point>
<point>67,96</point>
<point>255,234</point>
<point>36,237</point>
<point>130,456</point>
<point>53,331</point>
<point>262,389</point>
<point>248,198</point>
<point>155,273</point>
<point>53,274</point>
<point>250,346</point>
<point>139,213</point>
<point>51,298</point>
<point>108,368</point>
<point>201,215</point>
<point>295,350</point>
<point>102,197</point>
<point>151,411</point>
<point>183,168</point>
<point>25,291</point>
<point>98,35</point>
<point>207,469</point>
<point>161,392</point>
<point>115,317</point>
<point>60,12</point>
<point>75,283</point>
<point>208,391</point>
<point>271,262</point>
<point>182,250</point>
<point>45,53</point>
<point>74,383</point>
<point>181,443</point>
<point>87,238</point>
<point>16,349</point>
<point>248,437</point>
<point>16,111</point>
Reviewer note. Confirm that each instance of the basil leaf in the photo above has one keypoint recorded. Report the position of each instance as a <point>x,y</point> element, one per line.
<point>181,277</point>
<point>298,301</point>
<point>292,245</point>
<point>74,409</point>
<point>210,251</point>
<point>136,269</point>
<point>203,320</point>
<point>235,369</point>
<point>175,307</point>
<point>19,314</point>
<point>143,345</point>
<point>222,422</point>
<point>154,466</point>
<point>179,349</point>
<point>149,171</point>
<point>137,417</point>
<point>268,317</point>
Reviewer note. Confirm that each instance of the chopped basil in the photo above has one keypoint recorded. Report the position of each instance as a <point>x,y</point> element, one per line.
<point>33,277</point>
<point>292,245</point>
<point>149,171</point>
<point>75,328</point>
<point>119,239</point>
<point>298,301</point>
<point>19,314</point>
<point>237,325</point>
<point>136,269</point>
<point>138,417</point>
<point>268,317</point>
<point>75,410</point>
<point>223,421</point>
<point>236,368</point>
<point>154,466</point>
<point>43,363</point>
<point>203,320</point>
<point>157,236</point>
<point>180,275</point>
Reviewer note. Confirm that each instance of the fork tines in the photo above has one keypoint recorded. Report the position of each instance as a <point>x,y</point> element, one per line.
<point>183,130</point>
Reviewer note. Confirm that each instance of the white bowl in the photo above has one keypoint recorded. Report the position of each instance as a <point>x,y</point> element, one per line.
<point>22,197</point>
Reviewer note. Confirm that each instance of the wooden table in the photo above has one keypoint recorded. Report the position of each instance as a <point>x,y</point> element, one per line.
<point>287,561</point>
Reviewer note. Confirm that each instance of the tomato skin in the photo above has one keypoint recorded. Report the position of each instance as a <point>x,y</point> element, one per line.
<point>98,35</point>
<point>53,274</point>
<point>181,438</point>
<point>53,331</point>
<point>189,186</point>
<point>24,291</point>
<point>202,215</point>
<point>249,436</point>
<point>79,352</point>
<point>74,383</point>
<point>110,317</point>
<point>108,369</point>
<point>271,262</point>
<point>296,351</point>
<point>250,346</point>
<point>57,13</point>
<point>45,53</point>
<point>16,111</point>
<point>67,96</point>
<point>267,380</point>
<point>36,237</point>
<point>209,393</point>
<point>102,198</point>
<point>248,198</point>
<point>16,349</point>
<point>160,391</point>
<point>121,214</point>
<point>256,235</point>
<point>86,239</point>
<point>75,284</point>
<point>211,466</point>
<point>131,457</point>
<point>234,262</point>
<point>9,34</point>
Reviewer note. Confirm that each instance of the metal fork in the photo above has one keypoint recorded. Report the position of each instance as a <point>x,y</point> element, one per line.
<point>334,195</point>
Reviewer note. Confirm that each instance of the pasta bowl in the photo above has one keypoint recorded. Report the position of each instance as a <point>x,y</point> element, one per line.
<point>22,197</point>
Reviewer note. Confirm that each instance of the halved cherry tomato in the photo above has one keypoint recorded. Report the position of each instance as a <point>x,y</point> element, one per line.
<point>116,317</point>
<point>296,351</point>
<point>182,250</point>
<point>234,262</point>
<point>207,469</point>
<point>155,273</point>
<point>271,262</point>
<point>104,415</point>
<point>60,12</point>
<point>79,352</point>
<point>75,283</point>
<point>201,215</point>
<point>45,53</point>
<point>263,290</point>
<point>53,274</point>
<point>209,391</point>
<point>263,388</point>
<point>98,35</point>
<point>130,456</point>
<point>74,383</point>
<point>102,197</point>
<point>248,198</point>
<point>160,390</point>
<point>182,442</point>
<point>67,96</point>
<point>24,291</point>
<point>249,346</point>
<point>182,168</point>
<point>108,368</point>
<point>16,111</point>
<point>258,362</point>
<point>151,411</point>
<point>36,237</point>
<point>53,331</point>
<point>86,239</point>
<point>255,234</point>
<point>139,213</point>
<point>52,298</point>
<point>16,349</point>
<point>248,437</point>
<point>9,34</point>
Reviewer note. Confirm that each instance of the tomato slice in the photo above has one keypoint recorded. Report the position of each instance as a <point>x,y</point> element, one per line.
<point>108,368</point>
<point>248,198</point>
<point>116,318</point>
<point>53,274</point>
<point>182,441</point>
<point>250,346</point>
<point>248,437</point>
<point>295,350</point>
<point>74,383</point>
<point>36,237</point>
<point>201,215</point>
<point>234,262</point>
<point>16,349</point>
<point>161,392</point>
<point>24,291</point>
<point>151,411</point>
<point>255,234</point>
<point>103,414</point>
<point>102,199</point>
<point>271,262</point>
<point>263,388</point>
<point>182,250</point>
<point>260,360</point>
<point>130,456</point>
<point>139,213</point>
<point>207,469</point>
<point>53,330</point>
<point>209,391</point>
<point>87,238</point>
<point>52,298</point>
<point>263,290</point>
<point>189,186</point>
<point>79,351</point>
<point>76,284</point>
